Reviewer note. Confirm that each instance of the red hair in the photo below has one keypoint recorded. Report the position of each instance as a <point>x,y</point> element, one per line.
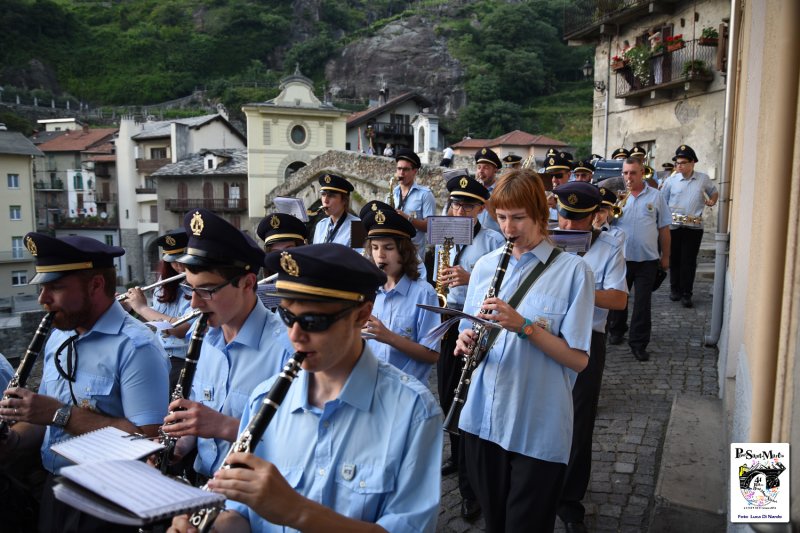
<point>521,188</point>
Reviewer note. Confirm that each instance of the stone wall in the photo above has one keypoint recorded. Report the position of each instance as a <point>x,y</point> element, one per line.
<point>14,340</point>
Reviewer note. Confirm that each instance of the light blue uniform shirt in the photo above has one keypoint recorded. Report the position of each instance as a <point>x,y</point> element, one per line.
<point>227,374</point>
<point>373,454</point>
<point>421,203</point>
<point>397,309</point>
<point>6,372</point>
<point>342,235</point>
<point>685,195</point>
<point>123,372</point>
<point>484,242</point>
<point>486,219</point>
<point>174,346</point>
<point>642,217</point>
<point>607,262</point>
<point>520,398</point>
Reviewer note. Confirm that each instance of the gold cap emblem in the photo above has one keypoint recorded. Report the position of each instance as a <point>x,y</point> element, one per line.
<point>275,222</point>
<point>483,152</point>
<point>374,207</point>
<point>197,224</point>
<point>572,199</point>
<point>463,183</point>
<point>380,218</point>
<point>289,265</point>
<point>327,179</point>
<point>170,240</point>
<point>602,191</point>
<point>683,147</point>
<point>552,161</point>
<point>31,246</point>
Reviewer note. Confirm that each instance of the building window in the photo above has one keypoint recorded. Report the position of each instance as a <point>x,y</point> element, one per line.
<point>13,181</point>
<point>109,240</point>
<point>183,191</point>
<point>649,148</point>
<point>15,212</point>
<point>298,134</point>
<point>16,248</point>
<point>77,181</point>
<point>292,168</point>
<point>153,213</point>
<point>209,164</point>
<point>158,153</point>
<point>19,277</point>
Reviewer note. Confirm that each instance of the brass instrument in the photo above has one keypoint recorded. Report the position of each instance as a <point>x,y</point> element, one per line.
<point>392,183</point>
<point>20,377</point>
<point>177,277</point>
<point>622,199</point>
<point>444,262</point>
<point>247,441</point>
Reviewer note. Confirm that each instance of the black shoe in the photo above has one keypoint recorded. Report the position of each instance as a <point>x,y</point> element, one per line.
<point>575,527</point>
<point>615,339</point>
<point>686,301</point>
<point>449,467</point>
<point>470,509</point>
<point>640,354</point>
<point>674,296</point>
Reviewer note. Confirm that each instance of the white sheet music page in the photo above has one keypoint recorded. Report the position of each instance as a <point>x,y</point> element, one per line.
<point>105,444</point>
<point>457,228</point>
<point>291,206</point>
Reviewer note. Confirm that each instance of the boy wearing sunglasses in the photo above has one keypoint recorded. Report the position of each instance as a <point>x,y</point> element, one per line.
<point>356,443</point>
<point>244,344</point>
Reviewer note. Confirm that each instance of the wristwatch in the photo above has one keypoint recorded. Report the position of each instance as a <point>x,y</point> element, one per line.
<point>526,330</point>
<point>61,418</point>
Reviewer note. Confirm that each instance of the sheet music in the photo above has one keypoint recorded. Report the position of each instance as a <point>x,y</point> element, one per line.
<point>457,228</point>
<point>291,206</point>
<point>571,241</point>
<point>133,486</point>
<point>104,445</point>
<point>160,325</point>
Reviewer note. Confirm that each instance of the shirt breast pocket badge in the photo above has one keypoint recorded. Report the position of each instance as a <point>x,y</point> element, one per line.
<point>208,395</point>
<point>544,323</point>
<point>650,208</point>
<point>348,471</point>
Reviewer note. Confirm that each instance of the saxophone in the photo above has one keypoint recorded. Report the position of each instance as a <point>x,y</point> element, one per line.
<point>444,263</point>
<point>204,519</point>
<point>479,349</point>
<point>182,389</point>
<point>20,377</point>
<point>390,198</point>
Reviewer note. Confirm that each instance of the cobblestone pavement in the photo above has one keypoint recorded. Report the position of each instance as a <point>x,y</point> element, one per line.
<point>632,418</point>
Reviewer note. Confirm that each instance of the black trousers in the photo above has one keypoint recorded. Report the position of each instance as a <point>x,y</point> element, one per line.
<point>448,372</point>
<point>516,492</point>
<point>684,247</point>
<point>585,397</point>
<point>57,517</point>
<point>641,276</point>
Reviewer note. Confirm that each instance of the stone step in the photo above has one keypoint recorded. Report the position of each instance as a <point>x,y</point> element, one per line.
<point>705,270</point>
<point>690,491</point>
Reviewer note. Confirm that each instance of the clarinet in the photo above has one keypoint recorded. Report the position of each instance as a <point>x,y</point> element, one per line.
<point>204,519</point>
<point>26,365</point>
<point>478,349</point>
<point>182,389</point>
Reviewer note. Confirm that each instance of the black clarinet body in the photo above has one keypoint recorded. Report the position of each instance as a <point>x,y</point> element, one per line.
<point>204,519</point>
<point>479,348</point>
<point>182,389</point>
<point>25,367</point>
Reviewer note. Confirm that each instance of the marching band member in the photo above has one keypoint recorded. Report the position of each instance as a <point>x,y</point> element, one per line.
<point>279,231</point>
<point>413,201</point>
<point>605,214</point>
<point>396,322</point>
<point>356,444</point>
<point>467,198</point>
<point>170,301</point>
<point>102,367</point>
<point>687,193</point>
<point>6,372</point>
<point>576,204</point>
<point>559,168</point>
<point>335,193</point>
<point>584,170</point>
<point>244,344</point>
<point>487,163</point>
<point>517,420</point>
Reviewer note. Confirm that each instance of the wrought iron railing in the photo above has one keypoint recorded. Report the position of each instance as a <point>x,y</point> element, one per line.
<point>215,204</point>
<point>692,62</point>
<point>581,15</point>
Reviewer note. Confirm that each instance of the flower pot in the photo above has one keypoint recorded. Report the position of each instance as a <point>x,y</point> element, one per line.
<point>709,41</point>
<point>674,47</point>
<point>618,65</point>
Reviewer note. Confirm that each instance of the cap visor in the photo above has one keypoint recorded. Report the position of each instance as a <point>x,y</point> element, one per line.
<point>47,277</point>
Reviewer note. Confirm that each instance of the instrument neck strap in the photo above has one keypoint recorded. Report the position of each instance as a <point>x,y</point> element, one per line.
<point>521,291</point>
<point>332,230</point>
<point>462,247</point>
<point>403,199</point>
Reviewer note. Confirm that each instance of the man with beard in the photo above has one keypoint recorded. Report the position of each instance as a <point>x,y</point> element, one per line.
<point>102,367</point>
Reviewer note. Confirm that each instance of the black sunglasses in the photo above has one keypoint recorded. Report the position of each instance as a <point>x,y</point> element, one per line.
<point>312,322</point>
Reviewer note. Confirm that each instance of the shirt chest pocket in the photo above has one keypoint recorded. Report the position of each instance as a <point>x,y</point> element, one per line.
<point>545,310</point>
<point>361,489</point>
<point>404,325</point>
<point>90,390</point>
<point>204,393</point>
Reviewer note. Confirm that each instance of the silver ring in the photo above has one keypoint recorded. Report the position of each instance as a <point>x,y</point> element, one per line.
<point>15,411</point>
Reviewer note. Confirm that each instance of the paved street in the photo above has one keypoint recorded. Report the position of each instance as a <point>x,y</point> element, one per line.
<point>632,417</point>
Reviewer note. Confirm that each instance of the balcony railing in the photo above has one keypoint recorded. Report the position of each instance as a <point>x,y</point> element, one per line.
<point>584,19</point>
<point>86,223</point>
<point>148,166</point>
<point>48,185</point>
<point>182,205</point>
<point>392,128</point>
<point>103,198</point>
<point>692,63</point>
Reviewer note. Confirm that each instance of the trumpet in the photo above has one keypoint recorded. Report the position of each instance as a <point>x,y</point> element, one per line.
<point>622,199</point>
<point>444,263</point>
<point>178,277</point>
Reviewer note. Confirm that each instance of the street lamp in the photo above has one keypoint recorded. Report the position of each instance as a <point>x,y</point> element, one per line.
<point>588,74</point>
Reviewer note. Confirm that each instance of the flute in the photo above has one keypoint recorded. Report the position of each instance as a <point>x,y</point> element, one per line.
<point>178,277</point>
<point>204,519</point>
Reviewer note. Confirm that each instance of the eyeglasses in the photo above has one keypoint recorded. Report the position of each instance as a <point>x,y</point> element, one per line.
<point>681,163</point>
<point>312,322</point>
<point>468,208</point>
<point>207,293</point>
<point>405,169</point>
